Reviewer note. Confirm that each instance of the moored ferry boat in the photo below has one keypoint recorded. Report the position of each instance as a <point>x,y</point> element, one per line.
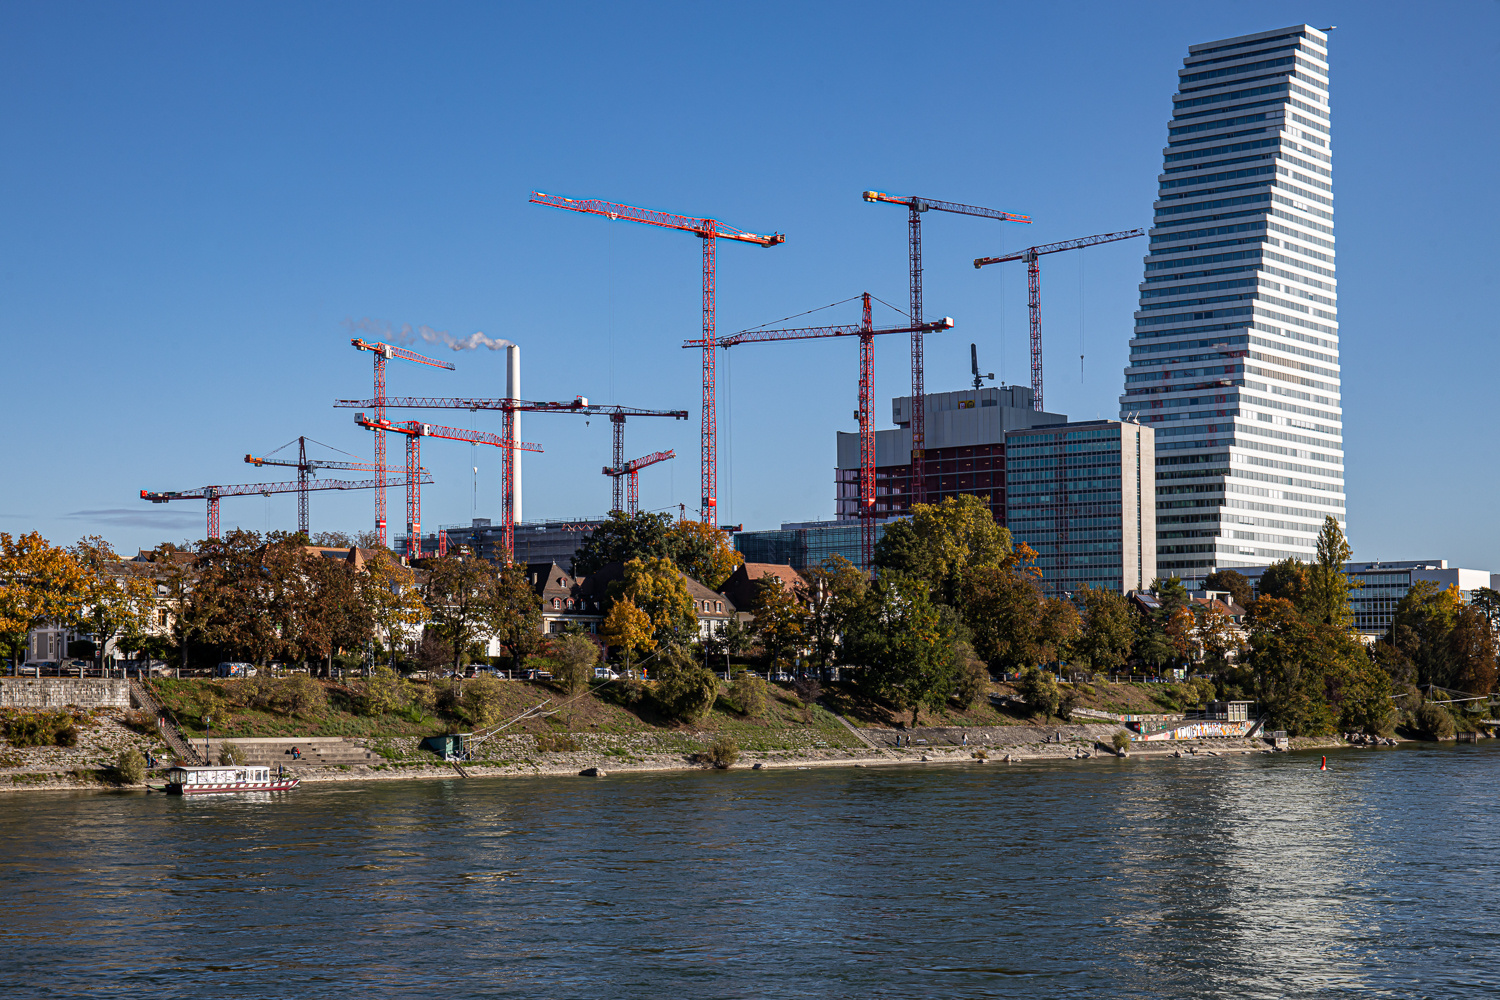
<point>222,780</point>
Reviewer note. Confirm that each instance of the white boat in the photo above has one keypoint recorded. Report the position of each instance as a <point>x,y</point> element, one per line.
<point>223,780</point>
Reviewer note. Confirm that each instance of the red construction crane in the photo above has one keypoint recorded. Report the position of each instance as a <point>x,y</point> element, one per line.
<point>214,493</point>
<point>630,472</point>
<point>711,231</point>
<point>383,353</point>
<point>915,207</point>
<point>866,333</point>
<point>508,409</point>
<point>1034,291</point>
<point>306,469</point>
<point>415,431</point>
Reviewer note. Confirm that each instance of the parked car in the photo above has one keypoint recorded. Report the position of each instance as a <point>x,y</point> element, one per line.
<point>605,674</point>
<point>234,670</point>
<point>538,675</point>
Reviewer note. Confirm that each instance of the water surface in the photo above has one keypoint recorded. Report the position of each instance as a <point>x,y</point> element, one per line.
<point>1234,877</point>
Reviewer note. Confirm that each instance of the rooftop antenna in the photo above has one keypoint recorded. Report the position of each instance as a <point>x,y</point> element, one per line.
<point>974,366</point>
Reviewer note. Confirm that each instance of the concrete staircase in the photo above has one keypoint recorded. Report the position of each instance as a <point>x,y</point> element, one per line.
<point>316,751</point>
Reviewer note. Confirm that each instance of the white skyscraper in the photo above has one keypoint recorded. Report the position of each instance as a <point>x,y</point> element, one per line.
<point>1235,356</point>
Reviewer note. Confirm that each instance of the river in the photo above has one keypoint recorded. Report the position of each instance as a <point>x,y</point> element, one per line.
<point>1225,877</point>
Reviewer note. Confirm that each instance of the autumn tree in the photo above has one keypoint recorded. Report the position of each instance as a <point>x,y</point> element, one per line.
<point>118,597</point>
<point>941,543</point>
<point>515,613</point>
<point>460,598</point>
<point>40,584</point>
<point>703,552</point>
<point>1287,580</point>
<point>335,614</point>
<point>576,656</point>
<point>685,689</point>
<point>628,629</point>
<point>1014,625</point>
<point>393,601</point>
<point>656,587</point>
<point>1470,652</point>
<point>1228,581</point>
<point>780,620</point>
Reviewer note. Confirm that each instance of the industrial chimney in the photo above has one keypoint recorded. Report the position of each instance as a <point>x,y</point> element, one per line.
<point>513,391</point>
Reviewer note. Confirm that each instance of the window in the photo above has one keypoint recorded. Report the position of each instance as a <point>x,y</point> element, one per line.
<point>556,604</point>
<point>719,606</point>
<point>570,604</point>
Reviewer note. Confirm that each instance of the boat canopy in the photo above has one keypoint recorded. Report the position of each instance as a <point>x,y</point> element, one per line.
<point>217,775</point>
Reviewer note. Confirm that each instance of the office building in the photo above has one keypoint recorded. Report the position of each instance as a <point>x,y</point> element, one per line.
<point>1081,495</point>
<point>965,435</point>
<point>1383,583</point>
<point>1235,356</point>
<point>800,544</point>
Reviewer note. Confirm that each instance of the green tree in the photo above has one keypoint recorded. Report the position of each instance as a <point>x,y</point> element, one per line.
<point>749,693</point>
<point>780,619</point>
<point>1108,629</point>
<point>575,656</point>
<point>1288,685</point>
<point>1235,584</point>
<point>905,645</point>
<point>1039,688</point>
<point>971,675</point>
<point>1328,585</point>
<point>1171,595</point>
<point>1423,619</point>
<point>834,590</point>
<point>334,612</point>
<point>623,537</point>
<point>942,543</point>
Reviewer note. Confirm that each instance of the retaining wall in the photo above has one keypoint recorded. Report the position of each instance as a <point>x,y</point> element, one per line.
<point>61,692</point>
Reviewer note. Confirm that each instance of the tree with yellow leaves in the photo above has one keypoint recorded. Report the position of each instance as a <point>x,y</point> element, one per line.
<point>655,585</point>
<point>628,629</point>
<point>119,598</point>
<point>40,584</point>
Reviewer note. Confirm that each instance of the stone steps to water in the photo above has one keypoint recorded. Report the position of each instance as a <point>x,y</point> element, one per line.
<point>315,752</point>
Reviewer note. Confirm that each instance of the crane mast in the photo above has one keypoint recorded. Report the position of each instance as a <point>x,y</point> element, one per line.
<point>710,231</point>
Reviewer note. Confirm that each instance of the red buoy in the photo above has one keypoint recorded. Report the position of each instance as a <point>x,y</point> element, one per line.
<point>1325,763</point>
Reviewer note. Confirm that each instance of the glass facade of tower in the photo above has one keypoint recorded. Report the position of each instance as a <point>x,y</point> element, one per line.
<point>1235,356</point>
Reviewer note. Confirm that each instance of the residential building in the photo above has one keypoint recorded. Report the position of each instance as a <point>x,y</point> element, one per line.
<point>713,610</point>
<point>1382,584</point>
<point>1081,495</point>
<point>965,450</point>
<point>1235,355</point>
<point>563,600</point>
<point>744,582</point>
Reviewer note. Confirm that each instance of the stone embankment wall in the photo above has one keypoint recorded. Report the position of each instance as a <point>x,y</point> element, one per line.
<point>34,693</point>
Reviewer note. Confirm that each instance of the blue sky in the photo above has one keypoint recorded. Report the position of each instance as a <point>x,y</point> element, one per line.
<point>197,198</point>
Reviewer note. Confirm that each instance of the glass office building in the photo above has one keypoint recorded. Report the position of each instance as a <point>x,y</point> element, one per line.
<point>1080,494</point>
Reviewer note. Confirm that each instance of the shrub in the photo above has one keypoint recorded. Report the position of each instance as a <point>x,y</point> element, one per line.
<point>1121,740</point>
<point>808,689</point>
<point>972,675</point>
<point>383,692</point>
<point>67,736</point>
<point>35,729</point>
<point>685,690</point>
<point>480,700</point>
<point>230,754</point>
<point>748,693</point>
<point>980,754</point>
<point>1039,688</point>
<point>721,755</point>
<point>1433,722</point>
<point>130,768</point>
<point>1066,703</point>
<point>556,743</point>
<point>299,694</point>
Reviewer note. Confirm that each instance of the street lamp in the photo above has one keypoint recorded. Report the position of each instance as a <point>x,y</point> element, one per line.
<point>207,758</point>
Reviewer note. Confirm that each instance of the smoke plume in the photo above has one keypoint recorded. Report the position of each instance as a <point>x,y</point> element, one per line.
<point>406,336</point>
